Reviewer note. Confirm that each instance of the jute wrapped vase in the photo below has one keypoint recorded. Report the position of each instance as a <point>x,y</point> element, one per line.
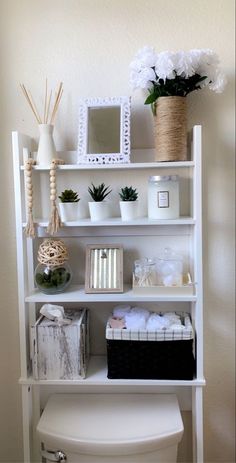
<point>171,128</point>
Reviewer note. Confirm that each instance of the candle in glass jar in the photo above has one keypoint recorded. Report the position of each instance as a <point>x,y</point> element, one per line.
<point>163,197</point>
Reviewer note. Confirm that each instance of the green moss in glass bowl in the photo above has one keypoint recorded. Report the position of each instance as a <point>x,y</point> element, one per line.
<point>52,280</point>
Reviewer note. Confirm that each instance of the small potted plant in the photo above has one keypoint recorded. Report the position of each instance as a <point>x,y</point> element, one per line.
<point>71,208</point>
<point>128,203</point>
<point>98,208</point>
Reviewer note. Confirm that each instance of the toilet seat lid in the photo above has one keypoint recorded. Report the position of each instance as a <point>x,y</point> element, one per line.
<point>113,424</point>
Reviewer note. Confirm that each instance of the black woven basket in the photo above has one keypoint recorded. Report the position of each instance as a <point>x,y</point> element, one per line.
<point>150,359</point>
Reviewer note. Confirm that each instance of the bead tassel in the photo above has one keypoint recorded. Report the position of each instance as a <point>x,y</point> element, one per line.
<point>55,221</point>
<point>29,229</point>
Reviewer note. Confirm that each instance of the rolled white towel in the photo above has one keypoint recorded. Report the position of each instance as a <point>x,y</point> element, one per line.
<point>119,311</point>
<point>155,322</point>
<point>134,321</point>
<point>141,311</point>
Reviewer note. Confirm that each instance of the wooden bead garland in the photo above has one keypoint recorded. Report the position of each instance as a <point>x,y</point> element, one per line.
<point>55,221</point>
<point>29,229</point>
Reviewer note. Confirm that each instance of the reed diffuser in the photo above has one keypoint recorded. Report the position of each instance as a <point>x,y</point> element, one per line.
<point>46,149</point>
<point>46,156</point>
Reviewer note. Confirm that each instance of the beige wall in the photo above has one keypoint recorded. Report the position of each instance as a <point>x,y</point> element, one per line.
<point>88,44</point>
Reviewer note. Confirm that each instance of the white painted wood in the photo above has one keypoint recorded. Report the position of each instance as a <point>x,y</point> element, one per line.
<point>131,166</point>
<point>36,412</point>
<point>27,421</point>
<point>197,243</point>
<point>60,352</point>
<point>188,228</point>
<point>97,376</point>
<point>18,144</point>
<point>76,293</point>
<point>117,222</point>
<point>197,425</point>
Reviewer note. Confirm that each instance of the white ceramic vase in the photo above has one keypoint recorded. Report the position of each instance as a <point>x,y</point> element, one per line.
<point>71,212</point>
<point>129,210</point>
<point>99,210</point>
<point>46,149</point>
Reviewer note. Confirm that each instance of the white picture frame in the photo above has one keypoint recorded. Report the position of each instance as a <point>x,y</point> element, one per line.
<point>104,268</point>
<point>120,155</point>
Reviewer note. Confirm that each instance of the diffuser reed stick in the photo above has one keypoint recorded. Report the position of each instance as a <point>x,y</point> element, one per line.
<point>47,103</point>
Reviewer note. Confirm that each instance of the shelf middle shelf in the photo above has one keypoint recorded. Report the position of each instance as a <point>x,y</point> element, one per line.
<point>76,293</point>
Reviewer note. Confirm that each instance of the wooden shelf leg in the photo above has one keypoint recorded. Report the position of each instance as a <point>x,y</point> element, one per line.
<point>197,425</point>
<point>27,421</point>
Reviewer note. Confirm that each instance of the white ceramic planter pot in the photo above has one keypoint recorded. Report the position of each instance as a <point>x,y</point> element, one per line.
<point>129,210</point>
<point>70,212</point>
<point>100,210</point>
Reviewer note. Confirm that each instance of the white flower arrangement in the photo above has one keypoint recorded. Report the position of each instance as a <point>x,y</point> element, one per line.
<point>175,73</point>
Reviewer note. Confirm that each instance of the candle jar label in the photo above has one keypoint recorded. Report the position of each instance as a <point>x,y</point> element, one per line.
<point>163,199</point>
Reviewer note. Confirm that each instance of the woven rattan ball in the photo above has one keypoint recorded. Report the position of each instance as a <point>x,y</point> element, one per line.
<point>52,252</point>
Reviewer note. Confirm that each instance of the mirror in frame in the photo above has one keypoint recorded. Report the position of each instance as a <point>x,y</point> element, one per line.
<point>104,131</point>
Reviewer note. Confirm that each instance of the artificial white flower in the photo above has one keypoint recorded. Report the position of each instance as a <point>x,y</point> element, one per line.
<point>207,62</point>
<point>150,71</point>
<point>146,56</point>
<point>184,64</point>
<point>218,83</point>
<point>165,65</point>
<point>195,56</point>
<point>142,78</point>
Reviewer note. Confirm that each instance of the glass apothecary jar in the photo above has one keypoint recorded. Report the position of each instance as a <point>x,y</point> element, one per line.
<point>163,197</point>
<point>169,268</point>
<point>145,272</point>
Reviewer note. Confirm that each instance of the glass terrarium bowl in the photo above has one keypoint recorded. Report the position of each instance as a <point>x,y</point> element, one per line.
<point>52,280</point>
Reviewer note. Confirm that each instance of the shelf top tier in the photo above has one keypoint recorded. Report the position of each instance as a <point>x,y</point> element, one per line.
<point>127,166</point>
<point>141,158</point>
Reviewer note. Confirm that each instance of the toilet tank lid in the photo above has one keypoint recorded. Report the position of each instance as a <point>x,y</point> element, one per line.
<point>111,424</point>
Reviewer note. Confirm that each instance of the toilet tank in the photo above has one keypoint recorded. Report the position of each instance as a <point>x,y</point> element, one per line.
<point>110,428</point>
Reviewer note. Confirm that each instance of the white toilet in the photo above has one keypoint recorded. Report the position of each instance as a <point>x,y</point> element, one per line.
<point>110,428</point>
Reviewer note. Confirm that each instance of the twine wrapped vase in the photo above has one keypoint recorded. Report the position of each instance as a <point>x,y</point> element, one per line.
<point>171,128</point>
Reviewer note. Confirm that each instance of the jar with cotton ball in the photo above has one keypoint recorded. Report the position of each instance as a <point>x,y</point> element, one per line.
<point>169,266</point>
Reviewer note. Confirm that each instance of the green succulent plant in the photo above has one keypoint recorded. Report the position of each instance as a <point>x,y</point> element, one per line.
<point>99,193</point>
<point>69,196</point>
<point>128,194</point>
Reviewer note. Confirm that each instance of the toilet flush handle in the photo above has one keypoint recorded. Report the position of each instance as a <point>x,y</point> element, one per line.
<point>54,456</point>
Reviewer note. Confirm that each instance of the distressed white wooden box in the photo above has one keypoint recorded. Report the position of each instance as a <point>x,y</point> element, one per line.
<point>61,352</point>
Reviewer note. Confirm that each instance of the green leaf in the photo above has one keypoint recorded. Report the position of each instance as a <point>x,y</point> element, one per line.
<point>151,98</point>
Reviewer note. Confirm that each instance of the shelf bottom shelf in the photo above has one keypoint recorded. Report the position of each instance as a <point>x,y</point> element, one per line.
<point>97,376</point>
